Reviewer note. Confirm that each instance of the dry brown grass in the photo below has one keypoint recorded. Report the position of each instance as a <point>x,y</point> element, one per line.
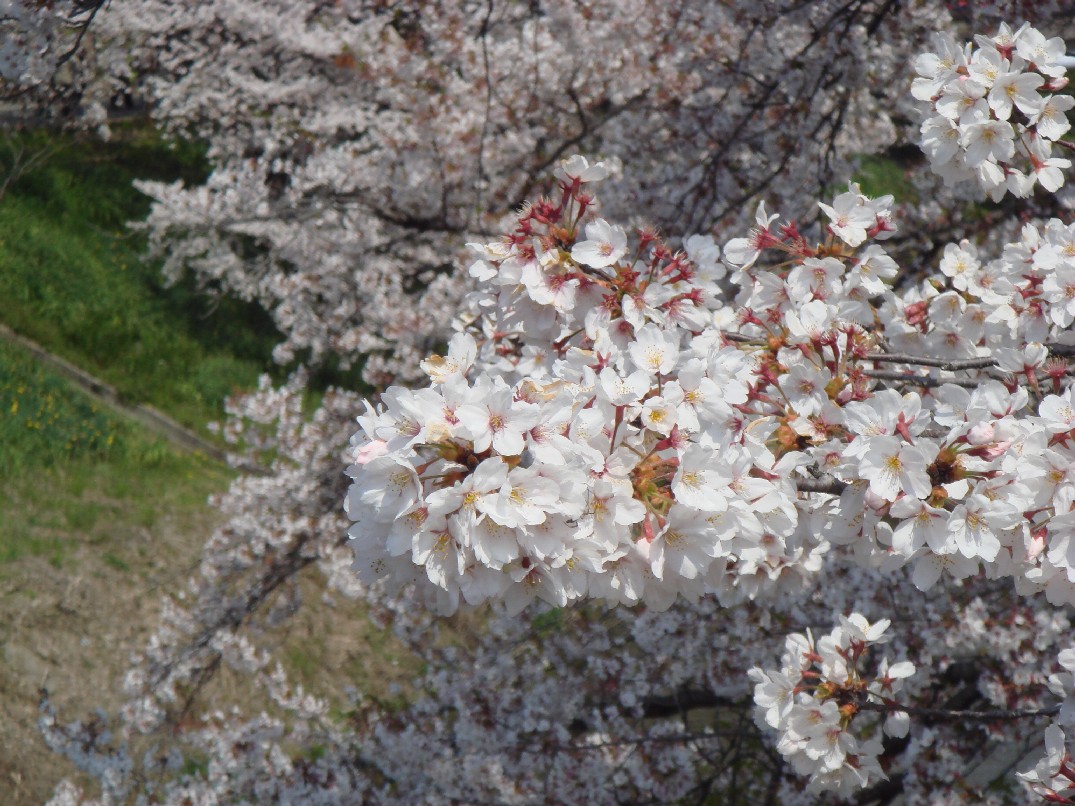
<point>72,614</point>
<point>71,617</point>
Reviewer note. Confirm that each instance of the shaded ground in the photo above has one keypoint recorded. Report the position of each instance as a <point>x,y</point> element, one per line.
<point>72,625</point>
<point>98,516</point>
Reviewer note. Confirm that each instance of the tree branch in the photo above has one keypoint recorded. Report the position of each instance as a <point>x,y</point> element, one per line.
<point>949,713</point>
<point>926,361</point>
<point>918,380</point>
<point>687,700</point>
<point>825,484</point>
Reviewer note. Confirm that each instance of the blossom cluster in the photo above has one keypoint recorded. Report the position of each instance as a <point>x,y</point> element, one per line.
<point>1053,777</point>
<point>659,447</point>
<point>26,41</point>
<point>30,38</point>
<point>819,691</point>
<point>610,427</point>
<point>604,466</point>
<point>997,110</point>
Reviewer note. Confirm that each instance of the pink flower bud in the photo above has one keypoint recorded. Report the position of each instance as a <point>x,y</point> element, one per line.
<point>980,434</point>
<point>997,450</point>
<point>371,451</point>
<point>874,501</point>
<point>1036,545</point>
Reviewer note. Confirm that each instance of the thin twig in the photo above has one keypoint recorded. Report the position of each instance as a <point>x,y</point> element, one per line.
<point>918,380</point>
<point>671,738</point>
<point>946,713</point>
<point>83,27</point>
<point>926,361</point>
<point>737,337</point>
<point>483,34</point>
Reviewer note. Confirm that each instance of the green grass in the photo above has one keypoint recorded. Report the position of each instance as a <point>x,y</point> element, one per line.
<point>303,662</point>
<point>43,423</point>
<point>72,278</point>
<point>879,175</point>
<point>103,504</point>
<point>118,563</point>
<point>73,473</point>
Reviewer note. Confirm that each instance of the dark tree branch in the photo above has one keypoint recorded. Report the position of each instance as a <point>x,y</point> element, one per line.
<point>926,361</point>
<point>918,380</point>
<point>687,700</point>
<point>825,484</point>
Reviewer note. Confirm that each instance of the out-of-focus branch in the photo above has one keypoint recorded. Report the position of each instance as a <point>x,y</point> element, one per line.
<point>959,713</point>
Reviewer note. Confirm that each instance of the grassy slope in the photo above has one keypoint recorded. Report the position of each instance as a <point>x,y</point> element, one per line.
<point>72,279</point>
<point>99,518</point>
<point>74,472</point>
<point>879,175</point>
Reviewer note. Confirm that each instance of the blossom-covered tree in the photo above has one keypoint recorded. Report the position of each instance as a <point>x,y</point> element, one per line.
<point>36,40</point>
<point>357,145</point>
<point>771,455</point>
